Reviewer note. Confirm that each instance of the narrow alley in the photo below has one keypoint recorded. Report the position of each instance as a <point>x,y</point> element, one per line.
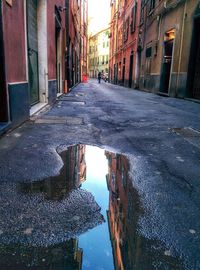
<point>151,170</point>
<point>100,135</point>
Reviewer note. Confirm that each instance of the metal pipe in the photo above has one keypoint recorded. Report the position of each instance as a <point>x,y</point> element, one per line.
<point>181,47</point>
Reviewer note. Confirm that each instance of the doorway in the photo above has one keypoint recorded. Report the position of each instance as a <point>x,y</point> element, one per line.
<point>138,66</point>
<point>167,61</point>
<point>194,71</point>
<point>123,70</point>
<point>3,92</point>
<point>130,71</point>
<point>32,40</point>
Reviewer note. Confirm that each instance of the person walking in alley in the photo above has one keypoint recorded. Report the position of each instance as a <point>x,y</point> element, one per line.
<point>99,77</point>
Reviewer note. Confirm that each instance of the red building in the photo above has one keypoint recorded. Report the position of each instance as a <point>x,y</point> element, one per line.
<point>155,46</point>
<point>124,55</point>
<point>32,57</point>
<point>43,53</point>
<point>122,214</point>
<point>76,37</point>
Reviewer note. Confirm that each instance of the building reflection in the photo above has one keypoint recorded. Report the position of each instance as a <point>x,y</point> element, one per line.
<point>66,255</point>
<point>131,250</point>
<point>122,214</point>
<point>72,175</point>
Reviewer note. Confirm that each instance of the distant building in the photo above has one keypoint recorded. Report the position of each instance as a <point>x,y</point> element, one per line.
<point>124,57</point>
<point>98,56</point>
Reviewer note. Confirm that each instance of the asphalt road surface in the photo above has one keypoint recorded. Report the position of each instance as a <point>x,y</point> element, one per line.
<point>160,136</point>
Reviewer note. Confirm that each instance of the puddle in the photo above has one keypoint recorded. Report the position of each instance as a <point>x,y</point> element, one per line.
<point>84,218</point>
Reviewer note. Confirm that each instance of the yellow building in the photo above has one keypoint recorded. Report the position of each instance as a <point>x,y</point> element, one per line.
<point>169,47</point>
<point>98,53</point>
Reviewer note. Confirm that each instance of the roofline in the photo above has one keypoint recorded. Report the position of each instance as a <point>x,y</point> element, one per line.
<point>99,32</point>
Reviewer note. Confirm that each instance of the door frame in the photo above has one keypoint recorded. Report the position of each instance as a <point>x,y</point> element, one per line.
<point>30,52</point>
<point>130,77</point>
<point>191,65</point>
<point>162,63</point>
<point>42,49</point>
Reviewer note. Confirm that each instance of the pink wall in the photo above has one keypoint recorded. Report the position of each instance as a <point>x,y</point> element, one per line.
<point>14,36</point>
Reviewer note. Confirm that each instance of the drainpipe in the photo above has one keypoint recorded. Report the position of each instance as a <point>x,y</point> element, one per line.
<point>181,47</point>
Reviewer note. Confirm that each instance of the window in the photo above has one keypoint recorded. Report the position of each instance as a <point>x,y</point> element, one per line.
<point>123,177</point>
<point>148,60</point>
<point>92,61</point>
<point>142,12</point>
<point>103,60</point>
<point>126,29</point>
<point>133,18</point>
<point>152,5</point>
<point>148,52</point>
<point>106,59</point>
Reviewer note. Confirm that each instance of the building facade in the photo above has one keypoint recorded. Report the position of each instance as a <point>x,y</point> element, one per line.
<point>32,57</point>
<point>98,57</point>
<point>76,41</point>
<point>43,53</point>
<point>170,47</point>
<point>155,46</point>
<point>124,57</point>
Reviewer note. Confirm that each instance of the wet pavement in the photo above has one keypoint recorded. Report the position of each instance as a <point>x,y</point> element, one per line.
<point>145,215</point>
<point>84,218</point>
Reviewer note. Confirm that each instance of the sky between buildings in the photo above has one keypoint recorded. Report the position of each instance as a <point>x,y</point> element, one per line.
<point>98,15</point>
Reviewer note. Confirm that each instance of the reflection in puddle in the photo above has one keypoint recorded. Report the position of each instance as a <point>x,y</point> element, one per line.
<point>71,176</point>
<point>87,238</point>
